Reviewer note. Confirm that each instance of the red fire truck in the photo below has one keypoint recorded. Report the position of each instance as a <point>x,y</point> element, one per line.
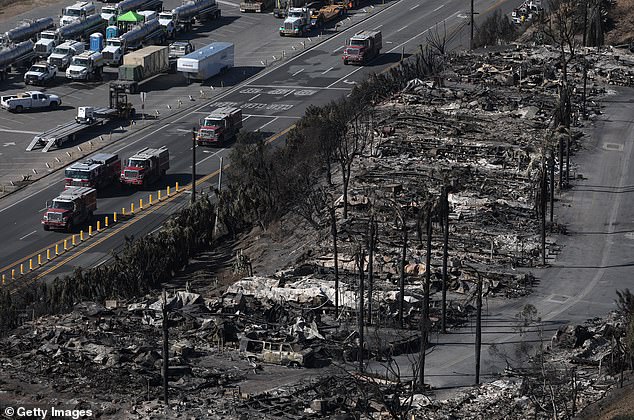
<point>97,172</point>
<point>362,47</point>
<point>220,126</point>
<point>71,208</point>
<point>146,166</point>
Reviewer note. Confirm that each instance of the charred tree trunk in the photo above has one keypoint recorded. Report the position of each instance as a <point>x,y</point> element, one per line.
<point>333,221</point>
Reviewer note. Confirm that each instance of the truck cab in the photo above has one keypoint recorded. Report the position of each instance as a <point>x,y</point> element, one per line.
<point>297,23</point>
<point>63,53</point>
<point>96,172</point>
<point>113,51</point>
<point>362,47</point>
<point>40,74</point>
<point>76,12</point>
<point>145,167</point>
<point>47,41</point>
<point>220,126</point>
<point>85,66</point>
<point>71,208</point>
<point>167,19</point>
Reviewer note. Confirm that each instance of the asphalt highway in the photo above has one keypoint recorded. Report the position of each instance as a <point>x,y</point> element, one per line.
<point>271,101</point>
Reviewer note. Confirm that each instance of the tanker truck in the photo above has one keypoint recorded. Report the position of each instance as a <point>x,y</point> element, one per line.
<point>79,30</point>
<point>26,30</point>
<point>18,56</point>
<point>151,32</point>
<point>181,19</point>
<point>110,13</point>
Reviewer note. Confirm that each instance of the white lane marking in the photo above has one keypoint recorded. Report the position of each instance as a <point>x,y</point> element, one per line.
<point>338,49</point>
<point>41,210</point>
<point>183,130</point>
<point>374,29</point>
<point>28,234</point>
<point>399,30</point>
<point>228,3</point>
<point>412,8</point>
<point>298,72</point>
<point>288,93</point>
<point>438,8</point>
<point>327,70</point>
<point>346,76</point>
<point>245,116</point>
<point>227,93</point>
<point>272,121</point>
<point>255,97</point>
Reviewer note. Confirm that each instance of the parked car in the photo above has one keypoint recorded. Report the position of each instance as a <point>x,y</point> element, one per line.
<point>29,100</point>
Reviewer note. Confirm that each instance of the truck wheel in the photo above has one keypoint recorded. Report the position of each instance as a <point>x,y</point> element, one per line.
<point>19,108</point>
<point>54,104</point>
<point>345,62</point>
<point>47,227</point>
<point>294,365</point>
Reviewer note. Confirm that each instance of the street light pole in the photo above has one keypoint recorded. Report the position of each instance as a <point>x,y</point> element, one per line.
<point>193,199</point>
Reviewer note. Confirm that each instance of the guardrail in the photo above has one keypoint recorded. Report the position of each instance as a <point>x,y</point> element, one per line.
<point>32,263</point>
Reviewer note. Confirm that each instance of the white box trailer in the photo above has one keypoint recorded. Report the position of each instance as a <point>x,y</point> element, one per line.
<point>207,61</point>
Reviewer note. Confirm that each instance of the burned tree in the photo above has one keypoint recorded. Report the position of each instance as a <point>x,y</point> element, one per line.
<point>353,129</point>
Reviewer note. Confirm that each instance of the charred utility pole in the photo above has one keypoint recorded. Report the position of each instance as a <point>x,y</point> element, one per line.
<point>478,338</point>
<point>333,221</point>
<point>585,23</point>
<point>561,163</point>
<point>424,322</point>
<point>471,27</point>
<point>584,115</point>
<point>373,233</point>
<point>445,255</point>
<point>568,140</point>
<point>166,355</point>
<point>542,208</point>
<point>401,298</point>
<point>360,263</point>
<point>193,199</point>
<point>551,167</point>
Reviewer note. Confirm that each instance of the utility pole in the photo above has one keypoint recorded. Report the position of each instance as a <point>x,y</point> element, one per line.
<point>585,86</point>
<point>424,322</point>
<point>542,205</point>
<point>445,256</point>
<point>471,27</point>
<point>551,167</point>
<point>401,297</point>
<point>166,355</point>
<point>371,268</point>
<point>360,263</point>
<point>478,338</point>
<point>193,199</point>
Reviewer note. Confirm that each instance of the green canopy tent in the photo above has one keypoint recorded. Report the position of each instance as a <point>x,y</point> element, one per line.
<point>126,20</point>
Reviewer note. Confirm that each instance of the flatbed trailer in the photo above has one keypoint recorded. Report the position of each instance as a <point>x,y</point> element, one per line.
<point>68,131</point>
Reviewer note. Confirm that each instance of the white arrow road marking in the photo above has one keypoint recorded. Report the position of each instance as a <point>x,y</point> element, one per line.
<point>19,131</point>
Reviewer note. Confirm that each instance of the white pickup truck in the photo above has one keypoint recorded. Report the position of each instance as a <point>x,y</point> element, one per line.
<point>29,100</point>
<point>40,74</point>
